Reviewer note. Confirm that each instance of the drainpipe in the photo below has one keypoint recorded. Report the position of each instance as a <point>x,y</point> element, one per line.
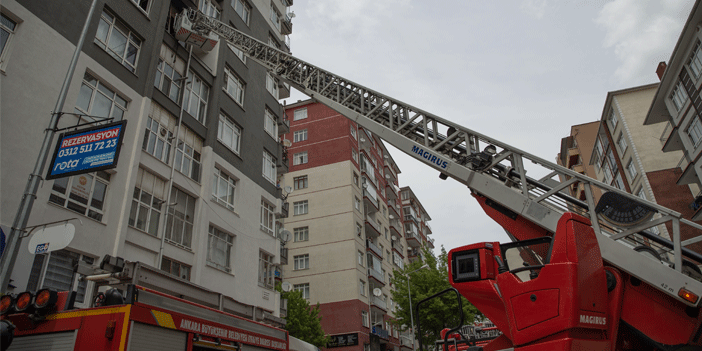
<point>162,222</point>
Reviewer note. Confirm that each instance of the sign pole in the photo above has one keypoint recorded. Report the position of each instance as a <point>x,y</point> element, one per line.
<point>9,256</point>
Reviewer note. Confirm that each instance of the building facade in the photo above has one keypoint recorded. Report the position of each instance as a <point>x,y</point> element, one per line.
<point>676,109</point>
<point>194,197</point>
<point>575,154</point>
<point>347,225</point>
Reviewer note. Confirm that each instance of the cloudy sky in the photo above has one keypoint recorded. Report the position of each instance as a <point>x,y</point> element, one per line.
<point>521,72</point>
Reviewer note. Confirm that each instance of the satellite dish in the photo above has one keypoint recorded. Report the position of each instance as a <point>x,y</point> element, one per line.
<point>47,239</point>
<point>393,238</point>
<point>377,292</point>
<point>392,216</point>
<point>286,286</point>
<point>288,189</point>
<point>285,235</point>
<point>287,143</point>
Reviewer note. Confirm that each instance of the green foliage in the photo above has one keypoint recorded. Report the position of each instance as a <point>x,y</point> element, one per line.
<point>437,314</point>
<point>303,321</point>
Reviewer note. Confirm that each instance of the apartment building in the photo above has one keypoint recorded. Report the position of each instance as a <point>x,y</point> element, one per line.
<point>194,198</point>
<point>676,108</point>
<point>348,226</point>
<point>576,150</point>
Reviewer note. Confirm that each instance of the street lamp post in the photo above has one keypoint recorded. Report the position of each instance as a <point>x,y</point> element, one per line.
<point>409,292</point>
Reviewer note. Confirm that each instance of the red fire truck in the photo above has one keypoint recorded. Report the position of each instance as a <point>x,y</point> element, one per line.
<point>141,319</point>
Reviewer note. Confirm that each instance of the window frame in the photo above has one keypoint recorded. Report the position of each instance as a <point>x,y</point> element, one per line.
<point>245,14</point>
<point>300,116</point>
<point>117,109</point>
<point>4,50</point>
<point>304,289</point>
<point>300,135</point>
<point>131,38</point>
<point>138,203</point>
<point>97,177</point>
<point>270,123</point>
<point>301,234</point>
<point>180,265</point>
<point>613,119</point>
<point>187,159</point>
<point>678,96</point>
<point>269,162</point>
<point>300,182</point>
<point>213,234</point>
<point>621,142</point>
<point>204,8</point>
<point>694,131</point>
<point>238,86</point>
<point>272,86</point>
<point>165,141</point>
<point>173,216</point>
<point>300,158</point>
<point>41,266</point>
<point>267,219</point>
<point>266,274</point>
<point>695,60</point>
<point>225,121</point>
<point>301,208</point>
<point>301,262</point>
<point>201,96</point>
<point>631,168</point>
<point>229,182</point>
<point>168,79</point>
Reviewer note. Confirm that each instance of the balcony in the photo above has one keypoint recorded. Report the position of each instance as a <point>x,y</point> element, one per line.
<point>379,331</point>
<point>378,303</point>
<point>378,276</point>
<point>399,248</point>
<point>409,217</point>
<point>395,228</point>
<point>372,228</point>
<point>413,239</point>
<point>427,228</point>
<point>284,211</point>
<point>405,341</point>
<point>286,27</point>
<point>430,241</point>
<point>283,255</point>
<point>393,210</point>
<point>370,201</point>
<point>281,163</point>
<point>374,249</point>
<point>278,273</point>
<point>283,126</point>
<point>414,254</point>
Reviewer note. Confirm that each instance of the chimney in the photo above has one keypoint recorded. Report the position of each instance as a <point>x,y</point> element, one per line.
<point>661,69</point>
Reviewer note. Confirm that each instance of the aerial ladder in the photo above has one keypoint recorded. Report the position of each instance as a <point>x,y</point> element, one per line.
<point>656,299</point>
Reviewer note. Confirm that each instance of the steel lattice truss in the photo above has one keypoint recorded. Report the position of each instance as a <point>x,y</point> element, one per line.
<point>501,177</point>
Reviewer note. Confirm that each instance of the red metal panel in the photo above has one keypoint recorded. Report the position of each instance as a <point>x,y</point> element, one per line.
<point>532,313</point>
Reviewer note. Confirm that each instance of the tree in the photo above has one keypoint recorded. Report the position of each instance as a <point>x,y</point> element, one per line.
<point>436,314</point>
<point>303,321</point>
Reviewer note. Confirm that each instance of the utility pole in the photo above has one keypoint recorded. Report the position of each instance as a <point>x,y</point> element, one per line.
<point>409,292</point>
<point>9,256</point>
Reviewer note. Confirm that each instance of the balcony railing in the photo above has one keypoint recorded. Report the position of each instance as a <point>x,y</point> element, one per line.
<point>379,331</point>
<point>374,249</point>
<point>378,302</point>
<point>283,255</point>
<point>370,222</point>
<point>374,202</point>
<point>376,275</point>
<point>409,217</point>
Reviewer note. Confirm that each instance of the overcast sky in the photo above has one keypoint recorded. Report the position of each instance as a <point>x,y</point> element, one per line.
<point>521,72</point>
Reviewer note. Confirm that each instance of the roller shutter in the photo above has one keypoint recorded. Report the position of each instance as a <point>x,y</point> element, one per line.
<point>62,341</point>
<point>153,338</point>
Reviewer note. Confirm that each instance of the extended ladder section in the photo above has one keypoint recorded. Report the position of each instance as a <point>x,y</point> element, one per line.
<point>485,165</point>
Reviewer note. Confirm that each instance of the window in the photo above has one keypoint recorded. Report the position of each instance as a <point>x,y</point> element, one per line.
<point>219,249</point>
<point>273,42</point>
<point>607,173</point>
<point>84,194</point>
<point>694,131</point>
<point>169,72</point>
<point>265,270</point>
<point>179,222</point>
<point>362,287</point>
<point>272,85</point>
<point>187,156</point>
<point>360,258</point>
<point>304,289</point>
<point>695,61</point>
<point>98,100</point>
<point>269,171</point>
<point>355,178</point>
<point>397,260</point>
<point>621,141</point>
<point>302,234</point>
<point>641,194</point>
<point>300,135</point>
<point>275,17</point>
<point>176,268</point>
<point>302,261</point>
<point>238,53</point>
<point>229,133</point>
<point>356,203</point>
<point>619,182</point>
<point>142,4</point>
<point>359,230</point>
<point>196,95</point>
<point>300,208</point>
<point>158,136</point>
<point>678,96</point>
<point>267,217</point>
<point>631,168</point>
<point>234,86</point>
<point>354,155</point>
<point>300,114</point>
<point>7,28</point>
<point>300,158</point>
<point>300,182</point>
<point>223,187</point>
<point>269,123</point>
<point>364,321</point>
<point>243,9</point>
<point>149,195</point>
<point>353,132</point>
<point>209,8</point>
<point>114,37</point>
<point>613,119</point>
<point>55,271</point>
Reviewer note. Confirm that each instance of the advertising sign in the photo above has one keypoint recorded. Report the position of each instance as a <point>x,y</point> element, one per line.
<point>343,340</point>
<point>87,150</point>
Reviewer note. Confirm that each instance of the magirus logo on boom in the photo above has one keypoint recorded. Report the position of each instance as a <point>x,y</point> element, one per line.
<point>430,157</point>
